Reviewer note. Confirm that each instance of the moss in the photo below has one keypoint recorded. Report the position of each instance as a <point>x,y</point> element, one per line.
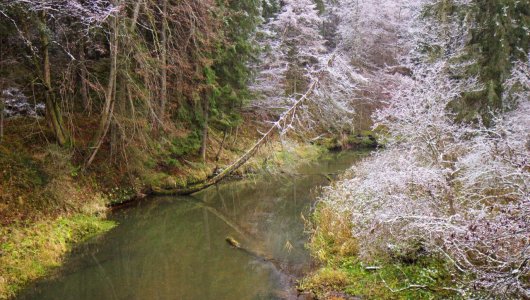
<point>185,145</point>
<point>332,143</point>
<point>287,156</point>
<point>197,176</point>
<point>152,178</point>
<point>309,152</point>
<point>29,251</point>
<point>324,279</point>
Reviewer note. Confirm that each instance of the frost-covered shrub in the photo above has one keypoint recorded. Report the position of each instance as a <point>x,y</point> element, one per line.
<point>471,206</point>
<point>15,104</point>
<point>457,191</point>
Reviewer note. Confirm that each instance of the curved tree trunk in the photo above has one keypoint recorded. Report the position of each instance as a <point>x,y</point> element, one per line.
<point>110,95</point>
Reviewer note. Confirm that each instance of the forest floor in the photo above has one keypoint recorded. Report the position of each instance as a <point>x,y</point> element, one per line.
<point>48,203</point>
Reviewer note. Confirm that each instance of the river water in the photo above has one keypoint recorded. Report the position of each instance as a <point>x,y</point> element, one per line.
<point>175,248</point>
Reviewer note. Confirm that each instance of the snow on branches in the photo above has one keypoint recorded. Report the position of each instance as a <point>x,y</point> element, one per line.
<point>294,55</point>
<point>87,12</point>
<point>372,31</point>
<point>458,191</point>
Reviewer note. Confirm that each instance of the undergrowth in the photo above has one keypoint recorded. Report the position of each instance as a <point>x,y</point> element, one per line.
<point>423,277</point>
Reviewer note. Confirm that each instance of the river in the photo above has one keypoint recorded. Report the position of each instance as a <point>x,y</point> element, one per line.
<point>175,248</point>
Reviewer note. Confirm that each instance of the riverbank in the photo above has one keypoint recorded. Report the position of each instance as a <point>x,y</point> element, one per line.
<point>48,203</point>
<point>342,274</point>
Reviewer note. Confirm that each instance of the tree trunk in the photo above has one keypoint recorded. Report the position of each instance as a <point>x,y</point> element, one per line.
<point>221,146</point>
<point>136,13</point>
<point>117,131</point>
<point>2,104</point>
<point>84,80</point>
<point>1,115</point>
<point>110,95</point>
<point>204,145</point>
<point>163,41</point>
<point>53,111</point>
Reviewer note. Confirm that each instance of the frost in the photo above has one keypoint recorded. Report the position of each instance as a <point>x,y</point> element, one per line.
<point>17,104</point>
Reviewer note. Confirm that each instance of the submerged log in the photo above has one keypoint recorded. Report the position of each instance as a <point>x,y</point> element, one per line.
<point>232,242</point>
<point>244,158</point>
<point>237,245</point>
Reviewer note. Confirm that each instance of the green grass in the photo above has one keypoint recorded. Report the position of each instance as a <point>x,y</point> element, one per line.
<point>30,251</point>
<point>423,279</point>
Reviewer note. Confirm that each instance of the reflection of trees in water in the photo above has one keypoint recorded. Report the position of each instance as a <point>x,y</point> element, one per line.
<point>269,211</point>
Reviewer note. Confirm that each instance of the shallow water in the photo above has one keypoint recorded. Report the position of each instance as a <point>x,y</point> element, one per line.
<point>175,248</point>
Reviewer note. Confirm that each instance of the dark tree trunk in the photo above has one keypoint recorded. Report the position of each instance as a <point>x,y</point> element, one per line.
<point>83,74</point>
<point>1,115</point>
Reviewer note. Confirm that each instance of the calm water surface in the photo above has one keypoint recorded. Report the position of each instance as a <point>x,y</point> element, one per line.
<point>175,248</point>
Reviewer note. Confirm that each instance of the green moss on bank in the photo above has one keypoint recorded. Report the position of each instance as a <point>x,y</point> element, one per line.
<point>30,251</point>
<point>359,140</point>
<point>273,157</point>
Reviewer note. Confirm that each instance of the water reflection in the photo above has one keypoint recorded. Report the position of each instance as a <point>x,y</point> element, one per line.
<point>174,247</point>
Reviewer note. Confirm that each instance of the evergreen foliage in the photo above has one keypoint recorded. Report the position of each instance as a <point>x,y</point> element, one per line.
<point>500,35</point>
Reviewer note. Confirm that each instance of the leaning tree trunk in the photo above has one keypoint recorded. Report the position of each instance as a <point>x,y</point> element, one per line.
<point>53,111</point>
<point>110,95</point>
<point>243,159</point>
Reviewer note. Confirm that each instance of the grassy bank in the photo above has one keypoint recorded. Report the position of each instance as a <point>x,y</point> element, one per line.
<point>31,250</point>
<point>342,271</point>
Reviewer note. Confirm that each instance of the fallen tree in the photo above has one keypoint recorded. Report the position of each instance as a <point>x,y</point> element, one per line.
<point>283,124</point>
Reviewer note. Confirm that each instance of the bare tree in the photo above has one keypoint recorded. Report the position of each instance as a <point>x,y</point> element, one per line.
<point>110,94</point>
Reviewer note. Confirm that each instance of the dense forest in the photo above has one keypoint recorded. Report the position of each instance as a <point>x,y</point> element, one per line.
<point>103,101</point>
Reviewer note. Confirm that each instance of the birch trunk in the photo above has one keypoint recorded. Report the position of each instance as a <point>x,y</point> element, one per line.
<point>245,157</point>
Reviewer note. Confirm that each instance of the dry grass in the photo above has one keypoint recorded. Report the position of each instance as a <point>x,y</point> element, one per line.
<point>332,235</point>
